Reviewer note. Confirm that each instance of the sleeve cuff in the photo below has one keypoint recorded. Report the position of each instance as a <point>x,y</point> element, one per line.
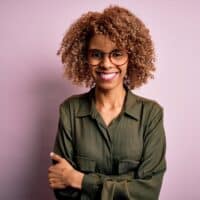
<point>91,183</point>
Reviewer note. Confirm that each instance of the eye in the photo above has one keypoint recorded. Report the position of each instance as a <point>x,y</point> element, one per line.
<point>95,54</point>
<point>117,53</point>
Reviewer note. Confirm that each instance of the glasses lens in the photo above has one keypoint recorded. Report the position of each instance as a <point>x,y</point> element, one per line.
<point>94,56</point>
<point>118,57</point>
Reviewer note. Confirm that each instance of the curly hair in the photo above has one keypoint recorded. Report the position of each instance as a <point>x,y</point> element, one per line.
<point>124,29</point>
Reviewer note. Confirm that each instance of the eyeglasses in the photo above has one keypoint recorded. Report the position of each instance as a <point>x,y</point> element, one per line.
<point>117,57</point>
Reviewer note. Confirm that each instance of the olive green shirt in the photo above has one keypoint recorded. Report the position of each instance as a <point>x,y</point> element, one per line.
<point>125,160</point>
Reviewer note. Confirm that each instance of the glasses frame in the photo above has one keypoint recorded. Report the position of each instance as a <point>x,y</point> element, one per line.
<point>109,56</point>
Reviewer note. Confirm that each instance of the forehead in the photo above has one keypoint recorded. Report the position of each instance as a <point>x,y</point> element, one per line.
<point>101,42</point>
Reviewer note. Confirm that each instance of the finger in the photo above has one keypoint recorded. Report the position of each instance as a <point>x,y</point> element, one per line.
<point>54,170</point>
<point>52,180</point>
<point>56,184</point>
<point>55,157</point>
<point>53,175</point>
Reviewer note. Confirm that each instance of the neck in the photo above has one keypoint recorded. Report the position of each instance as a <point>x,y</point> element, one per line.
<point>110,98</point>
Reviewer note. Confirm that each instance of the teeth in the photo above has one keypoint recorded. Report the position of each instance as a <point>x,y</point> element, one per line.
<point>107,76</point>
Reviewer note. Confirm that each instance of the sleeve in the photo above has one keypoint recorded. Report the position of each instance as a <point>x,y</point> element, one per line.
<point>63,147</point>
<point>147,183</point>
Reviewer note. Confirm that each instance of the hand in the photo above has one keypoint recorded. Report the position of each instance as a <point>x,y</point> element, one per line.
<point>62,174</point>
<point>59,174</point>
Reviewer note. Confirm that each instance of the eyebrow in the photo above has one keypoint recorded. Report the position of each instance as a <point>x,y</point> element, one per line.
<point>103,51</point>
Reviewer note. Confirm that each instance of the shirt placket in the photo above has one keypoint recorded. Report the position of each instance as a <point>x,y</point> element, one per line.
<point>112,131</point>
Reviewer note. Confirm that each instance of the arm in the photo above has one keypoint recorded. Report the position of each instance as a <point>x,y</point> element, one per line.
<point>149,175</point>
<point>63,147</point>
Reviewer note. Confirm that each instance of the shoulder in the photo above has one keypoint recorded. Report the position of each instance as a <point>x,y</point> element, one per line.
<point>148,103</point>
<point>148,108</point>
<point>151,114</point>
<point>75,99</point>
<point>73,103</point>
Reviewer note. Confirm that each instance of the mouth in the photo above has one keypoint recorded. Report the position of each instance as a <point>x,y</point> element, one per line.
<point>107,76</point>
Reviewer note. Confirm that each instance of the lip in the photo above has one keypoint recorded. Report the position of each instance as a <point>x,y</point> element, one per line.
<point>107,76</point>
<point>104,72</point>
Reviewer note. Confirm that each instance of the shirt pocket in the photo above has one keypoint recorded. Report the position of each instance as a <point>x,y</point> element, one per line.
<point>127,166</point>
<point>85,164</point>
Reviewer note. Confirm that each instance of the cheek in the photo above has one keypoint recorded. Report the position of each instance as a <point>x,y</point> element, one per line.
<point>123,70</point>
<point>92,71</point>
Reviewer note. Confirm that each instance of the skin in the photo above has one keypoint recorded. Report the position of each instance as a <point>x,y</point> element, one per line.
<point>109,94</point>
<point>109,99</point>
<point>62,174</point>
<point>104,44</point>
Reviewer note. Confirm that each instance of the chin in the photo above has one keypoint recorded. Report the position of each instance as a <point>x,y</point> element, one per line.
<point>108,86</point>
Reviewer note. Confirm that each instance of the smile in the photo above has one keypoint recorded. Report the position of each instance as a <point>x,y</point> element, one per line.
<point>107,76</point>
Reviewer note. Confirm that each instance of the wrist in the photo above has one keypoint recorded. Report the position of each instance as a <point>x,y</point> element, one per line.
<point>77,179</point>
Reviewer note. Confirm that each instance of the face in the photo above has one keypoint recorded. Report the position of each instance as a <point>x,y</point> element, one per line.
<point>108,64</point>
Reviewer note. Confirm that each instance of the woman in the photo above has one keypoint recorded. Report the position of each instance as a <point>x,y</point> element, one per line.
<point>110,142</point>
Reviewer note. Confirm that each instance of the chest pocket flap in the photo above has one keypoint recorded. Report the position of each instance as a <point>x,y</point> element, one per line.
<point>85,165</point>
<point>126,166</point>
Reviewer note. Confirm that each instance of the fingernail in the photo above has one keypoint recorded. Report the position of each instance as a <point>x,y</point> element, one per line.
<point>51,154</point>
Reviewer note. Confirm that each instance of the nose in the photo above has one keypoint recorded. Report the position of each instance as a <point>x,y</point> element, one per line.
<point>105,62</point>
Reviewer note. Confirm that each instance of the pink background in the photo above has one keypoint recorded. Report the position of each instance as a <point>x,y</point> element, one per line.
<point>32,88</point>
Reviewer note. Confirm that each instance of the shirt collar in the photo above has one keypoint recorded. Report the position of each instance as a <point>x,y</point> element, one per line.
<point>132,107</point>
<point>85,105</point>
